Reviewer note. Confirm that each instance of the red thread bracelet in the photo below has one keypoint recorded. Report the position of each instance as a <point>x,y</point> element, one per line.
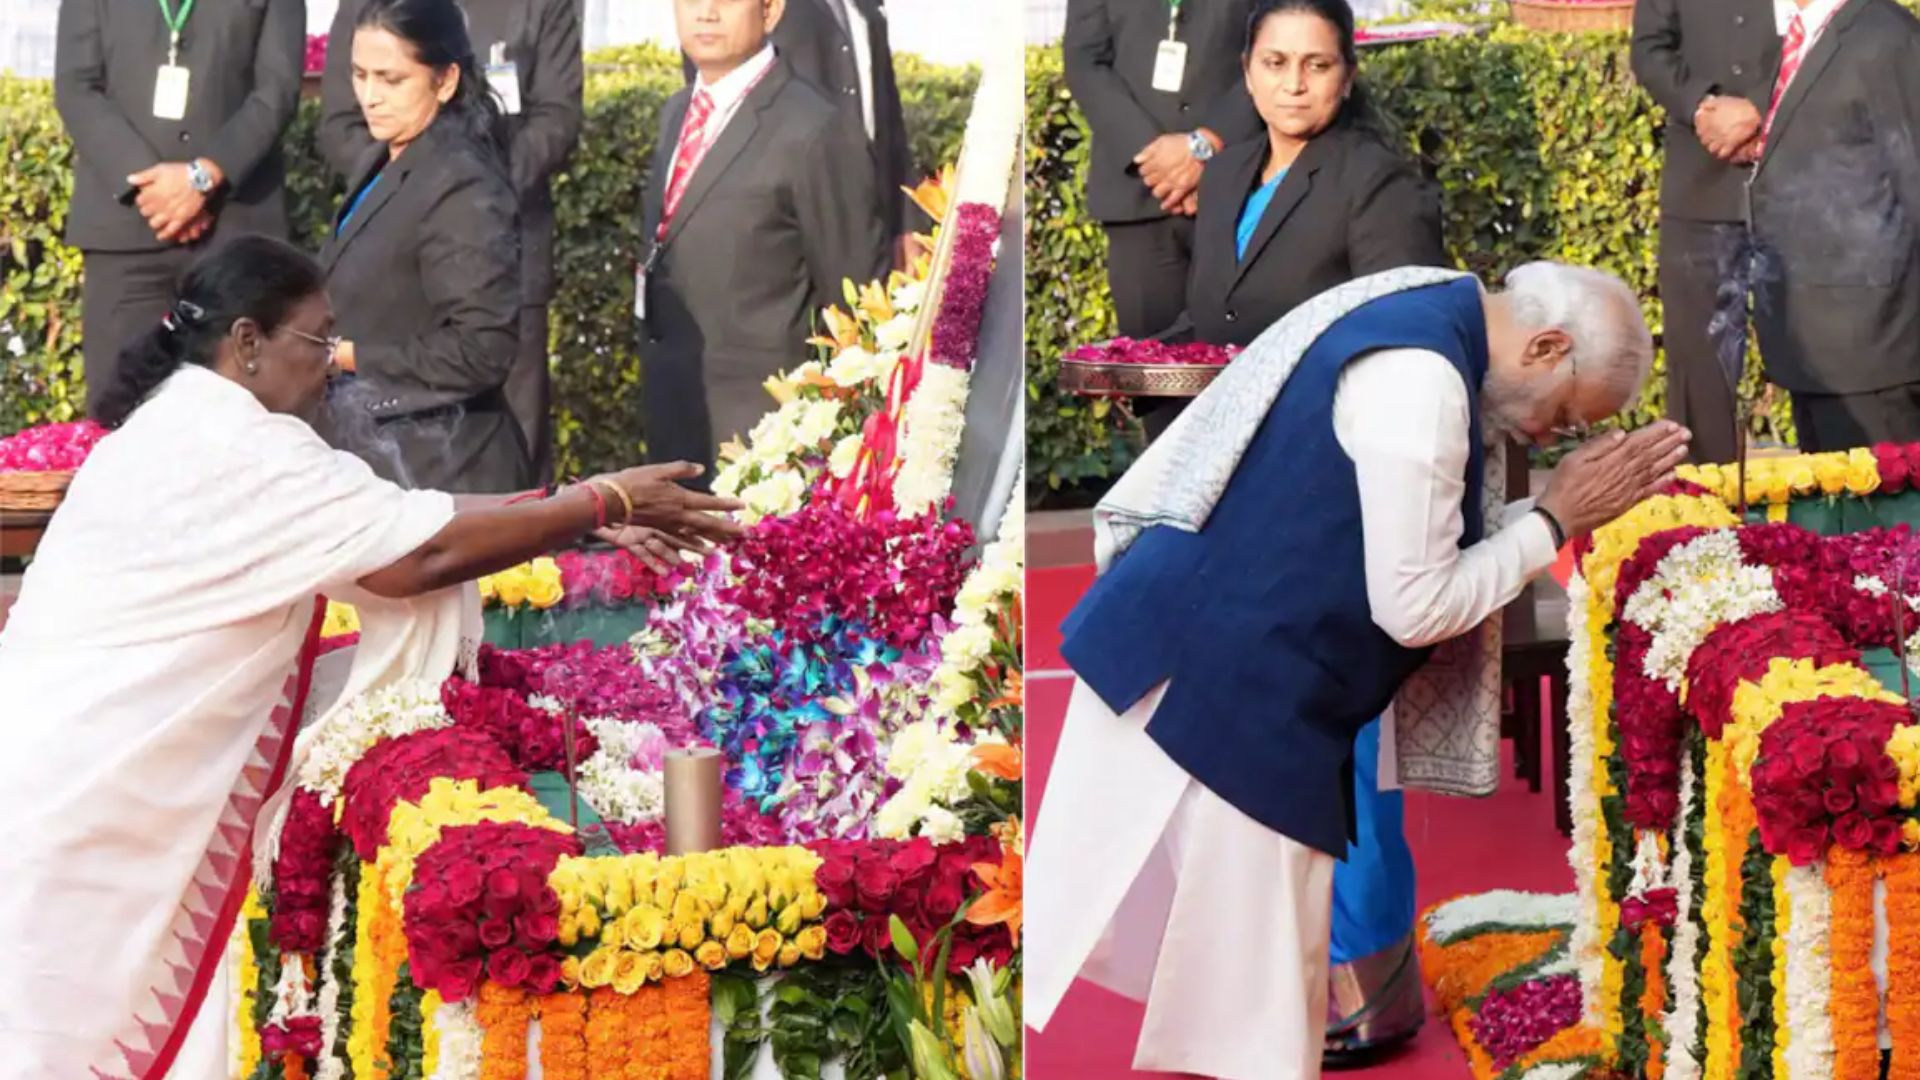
<point>599,506</point>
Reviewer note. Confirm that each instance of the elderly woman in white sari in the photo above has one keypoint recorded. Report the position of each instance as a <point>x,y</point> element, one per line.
<point>161,652</point>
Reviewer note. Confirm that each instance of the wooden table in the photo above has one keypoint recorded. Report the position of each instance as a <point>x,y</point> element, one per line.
<point>20,532</point>
<point>1533,649</point>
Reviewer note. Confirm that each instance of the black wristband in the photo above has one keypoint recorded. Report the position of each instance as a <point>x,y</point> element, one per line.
<point>1553,526</point>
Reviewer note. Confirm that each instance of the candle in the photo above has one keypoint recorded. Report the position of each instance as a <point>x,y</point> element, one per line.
<point>693,788</point>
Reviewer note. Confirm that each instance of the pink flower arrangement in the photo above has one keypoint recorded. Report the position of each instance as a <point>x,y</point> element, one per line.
<point>611,579</point>
<point>480,908</point>
<point>533,737</point>
<point>301,873</point>
<point>742,824</point>
<point>887,574</point>
<point>50,447</point>
<point>867,881</point>
<point>1823,777</point>
<point>1514,1021</point>
<point>403,769</point>
<point>591,682</point>
<point>316,54</point>
<point>1125,350</point>
<point>297,1035</point>
<point>963,298</point>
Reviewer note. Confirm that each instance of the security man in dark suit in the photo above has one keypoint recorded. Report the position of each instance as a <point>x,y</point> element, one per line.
<point>176,109</point>
<point>1710,63</point>
<point>1161,85</point>
<point>842,47</point>
<point>532,53</point>
<point>756,210</point>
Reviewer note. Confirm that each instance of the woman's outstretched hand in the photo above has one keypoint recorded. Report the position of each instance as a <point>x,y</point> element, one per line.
<point>668,519</point>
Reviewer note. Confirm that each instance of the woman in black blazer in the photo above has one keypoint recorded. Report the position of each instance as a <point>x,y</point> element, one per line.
<point>424,262</point>
<point>1323,199</point>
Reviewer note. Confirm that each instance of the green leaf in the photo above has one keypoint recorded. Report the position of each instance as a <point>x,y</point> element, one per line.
<point>903,942</point>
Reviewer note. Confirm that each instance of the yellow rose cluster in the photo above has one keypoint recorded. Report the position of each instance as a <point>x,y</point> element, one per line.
<point>649,918</point>
<point>1779,480</point>
<point>414,827</point>
<point>535,584</point>
<point>1757,705</point>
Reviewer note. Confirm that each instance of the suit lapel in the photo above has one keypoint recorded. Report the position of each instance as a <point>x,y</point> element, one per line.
<point>383,190</point>
<point>1294,188</point>
<point>1803,80</point>
<point>733,139</point>
<point>654,197</point>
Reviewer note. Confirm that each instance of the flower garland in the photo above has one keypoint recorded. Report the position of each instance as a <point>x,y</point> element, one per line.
<point>623,781</point>
<point>564,1054</point>
<point>1854,1004</point>
<point>993,588</point>
<point>1716,977</point>
<point>343,737</point>
<point>1902,876</point>
<point>337,970</point>
<point>1808,1024</point>
<point>1586,623</point>
<point>503,1013</point>
<point>1698,586</point>
<point>930,430</point>
<point>460,1046</point>
<point>404,770</point>
<point>1683,1017</point>
<point>534,738</point>
<point>1823,779</point>
<point>1653,998</point>
<point>244,1036</point>
<point>485,907</point>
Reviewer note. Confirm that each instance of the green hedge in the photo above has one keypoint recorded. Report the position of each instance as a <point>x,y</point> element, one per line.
<point>596,370</point>
<point>1544,145</point>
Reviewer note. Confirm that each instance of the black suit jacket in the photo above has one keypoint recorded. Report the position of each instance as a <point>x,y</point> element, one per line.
<point>542,39</point>
<point>425,281</point>
<point>772,222</point>
<point>1836,211</point>
<point>245,58</point>
<point>1684,50</point>
<point>1110,47</point>
<point>1348,207</point>
<point>816,45</point>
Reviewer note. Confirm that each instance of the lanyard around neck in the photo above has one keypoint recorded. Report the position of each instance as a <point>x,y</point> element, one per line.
<point>177,21</point>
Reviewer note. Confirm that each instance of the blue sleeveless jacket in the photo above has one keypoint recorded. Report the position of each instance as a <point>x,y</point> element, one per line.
<point>1260,622</point>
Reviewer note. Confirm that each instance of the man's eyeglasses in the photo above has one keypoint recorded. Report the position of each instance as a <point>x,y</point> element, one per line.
<point>332,343</point>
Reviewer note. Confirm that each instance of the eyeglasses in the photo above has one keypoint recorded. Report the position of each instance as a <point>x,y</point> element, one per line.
<point>332,343</point>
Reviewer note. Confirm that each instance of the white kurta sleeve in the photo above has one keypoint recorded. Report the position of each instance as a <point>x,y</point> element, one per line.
<point>1401,416</point>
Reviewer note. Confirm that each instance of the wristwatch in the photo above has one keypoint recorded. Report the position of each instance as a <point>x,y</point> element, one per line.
<point>200,178</point>
<point>1199,146</point>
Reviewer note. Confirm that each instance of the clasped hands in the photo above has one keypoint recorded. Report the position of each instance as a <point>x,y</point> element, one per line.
<point>1729,127</point>
<point>1171,172</point>
<point>166,198</point>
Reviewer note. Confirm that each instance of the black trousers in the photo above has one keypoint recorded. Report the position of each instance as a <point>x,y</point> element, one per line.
<point>1843,421</point>
<point>1147,264</point>
<point>529,391</point>
<point>1702,289</point>
<point>123,295</point>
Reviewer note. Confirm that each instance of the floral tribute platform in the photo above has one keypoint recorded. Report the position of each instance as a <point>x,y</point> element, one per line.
<point>1744,771</point>
<point>441,901</point>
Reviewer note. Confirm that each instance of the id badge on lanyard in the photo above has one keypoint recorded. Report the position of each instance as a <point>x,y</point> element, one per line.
<point>503,75</point>
<point>1170,59</point>
<point>172,82</point>
<point>640,273</point>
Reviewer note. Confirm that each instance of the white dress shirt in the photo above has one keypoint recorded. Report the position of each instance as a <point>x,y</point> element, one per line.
<point>862,58</point>
<point>1814,17</point>
<point>730,91</point>
<point>1401,415</point>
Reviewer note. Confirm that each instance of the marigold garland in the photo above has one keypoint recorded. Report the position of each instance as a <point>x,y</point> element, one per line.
<point>689,1013</point>
<point>1653,997</point>
<point>1737,818</point>
<point>1782,927</point>
<point>366,976</point>
<point>1716,970</point>
<point>1855,1001</point>
<point>1902,874</point>
<point>246,978</point>
<point>430,1005</point>
<point>503,1014</point>
<point>606,1031</point>
<point>563,1036</point>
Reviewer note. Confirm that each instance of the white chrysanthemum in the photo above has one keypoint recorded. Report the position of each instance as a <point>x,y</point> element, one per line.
<point>894,334</point>
<point>942,825</point>
<point>727,481</point>
<point>1809,948</point>
<point>1683,970</point>
<point>332,1054</point>
<point>913,745</point>
<point>953,690</point>
<point>1585,945</point>
<point>776,495</point>
<point>853,367</point>
<point>846,454</point>
<point>908,297</point>
<point>1504,907</point>
<point>930,430</point>
<point>346,735</point>
<point>816,423</point>
<point>900,814</point>
<point>1698,586</point>
<point>967,646</point>
<point>460,1043</point>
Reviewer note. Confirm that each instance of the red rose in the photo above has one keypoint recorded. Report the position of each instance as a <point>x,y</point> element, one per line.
<point>1853,831</point>
<point>965,951</point>
<point>1838,800</point>
<point>1809,756</point>
<point>1806,846</point>
<point>944,897</point>
<point>835,871</point>
<point>547,903</point>
<point>913,857</point>
<point>999,953</point>
<point>543,973</point>
<point>462,979</point>
<point>539,929</point>
<point>503,884</point>
<point>464,883</point>
<point>508,967</point>
<point>843,932</point>
<point>878,938</point>
<point>495,933</point>
<point>875,881</point>
<point>1878,796</point>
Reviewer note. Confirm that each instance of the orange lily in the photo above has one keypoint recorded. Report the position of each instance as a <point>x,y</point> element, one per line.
<point>1012,694</point>
<point>843,330</point>
<point>934,193</point>
<point>1001,902</point>
<point>1004,762</point>
<point>874,303</point>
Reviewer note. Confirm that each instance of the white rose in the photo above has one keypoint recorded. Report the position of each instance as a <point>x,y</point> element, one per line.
<point>894,334</point>
<point>910,296</point>
<point>727,483</point>
<point>776,495</point>
<point>941,825</point>
<point>846,454</point>
<point>852,367</point>
<point>817,423</point>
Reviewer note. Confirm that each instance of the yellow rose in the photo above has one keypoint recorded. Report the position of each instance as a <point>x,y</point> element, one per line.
<point>511,587</point>
<point>1775,487</point>
<point>813,904</point>
<point>630,972</point>
<point>487,592</point>
<point>569,932</point>
<point>644,928</point>
<point>812,942</point>
<point>665,893</point>
<point>597,969</point>
<point>1863,480</point>
<point>757,913</point>
<point>740,942</point>
<point>712,955</point>
<point>788,921</point>
<point>766,948</point>
<point>686,908</point>
<point>619,892</point>
<point>1830,472</point>
<point>691,933</point>
<point>678,964</point>
<point>789,955</point>
<point>1910,834</point>
<point>722,922</point>
<point>589,920</point>
<point>570,971</point>
<point>672,873</point>
<point>1800,475</point>
<point>613,934</point>
<point>656,967</point>
<point>544,592</point>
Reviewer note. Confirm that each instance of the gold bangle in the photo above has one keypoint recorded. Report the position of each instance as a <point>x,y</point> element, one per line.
<point>626,501</point>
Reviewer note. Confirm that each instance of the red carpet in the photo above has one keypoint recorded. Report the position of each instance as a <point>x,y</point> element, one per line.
<point>1460,845</point>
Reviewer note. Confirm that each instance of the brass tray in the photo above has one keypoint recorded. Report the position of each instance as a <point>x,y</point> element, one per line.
<point>1094,379</point>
